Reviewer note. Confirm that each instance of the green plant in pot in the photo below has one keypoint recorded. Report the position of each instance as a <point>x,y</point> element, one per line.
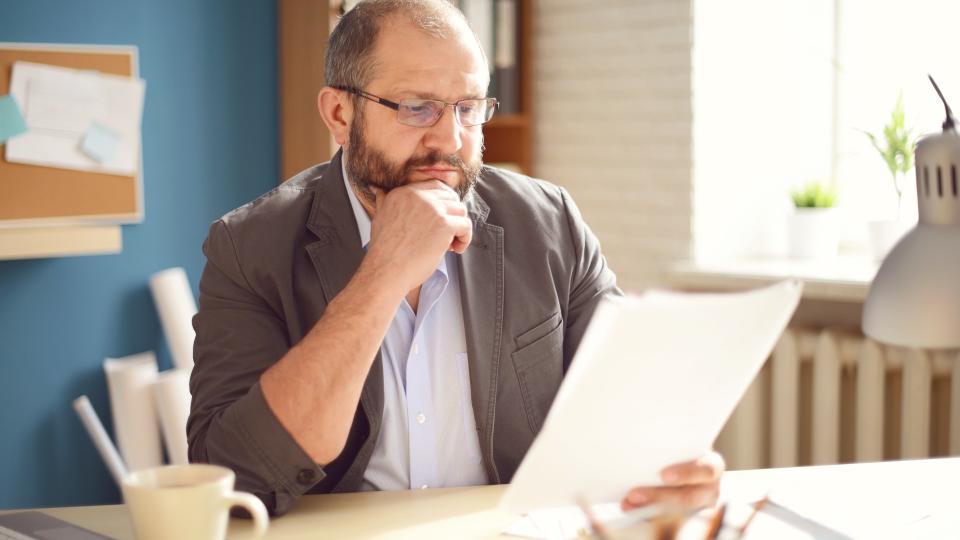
<point>813,226</point>
<point>814,194</point>
<point>896,146</point>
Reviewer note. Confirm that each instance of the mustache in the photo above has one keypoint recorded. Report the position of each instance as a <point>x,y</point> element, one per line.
<point>435,158</point>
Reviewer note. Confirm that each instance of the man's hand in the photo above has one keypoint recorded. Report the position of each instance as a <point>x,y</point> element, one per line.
<point>692,484</point>
<point>414,225</point>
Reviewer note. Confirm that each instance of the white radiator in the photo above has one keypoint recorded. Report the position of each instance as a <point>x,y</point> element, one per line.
<point>830,396</point>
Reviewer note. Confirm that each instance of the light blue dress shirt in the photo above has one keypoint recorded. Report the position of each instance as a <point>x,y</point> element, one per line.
<point>428,437</point>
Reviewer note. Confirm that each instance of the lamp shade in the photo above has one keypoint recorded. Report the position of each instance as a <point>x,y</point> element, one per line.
<point>914,299</point>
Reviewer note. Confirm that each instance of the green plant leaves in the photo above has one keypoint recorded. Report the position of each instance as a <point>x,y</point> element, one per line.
<point>814,194</point>
<point>897,145</point>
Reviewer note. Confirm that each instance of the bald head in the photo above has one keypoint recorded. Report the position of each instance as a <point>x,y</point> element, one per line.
<point>351,58</point>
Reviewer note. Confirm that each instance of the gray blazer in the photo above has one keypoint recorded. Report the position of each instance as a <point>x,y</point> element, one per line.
<point>529,283</point>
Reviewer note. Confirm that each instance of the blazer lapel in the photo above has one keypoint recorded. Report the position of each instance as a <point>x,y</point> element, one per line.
<point>481,292</point>
<point>336,254</point>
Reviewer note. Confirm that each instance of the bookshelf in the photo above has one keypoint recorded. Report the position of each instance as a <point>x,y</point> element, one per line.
<point>301,43</point>
<point>509,137</point>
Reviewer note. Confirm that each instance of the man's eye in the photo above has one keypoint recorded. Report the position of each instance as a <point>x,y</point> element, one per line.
<point>420,108</point>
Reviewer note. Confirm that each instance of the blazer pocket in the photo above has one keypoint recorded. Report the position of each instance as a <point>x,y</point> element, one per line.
<point>539,368</point>
<point>538,331</point>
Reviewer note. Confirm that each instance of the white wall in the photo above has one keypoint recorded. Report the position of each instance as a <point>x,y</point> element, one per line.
<point>614,124</point>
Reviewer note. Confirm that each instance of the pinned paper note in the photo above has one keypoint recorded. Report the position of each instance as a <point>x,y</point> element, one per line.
<point>11,121</point>
<point>61,105</point>
<point>100,143</point>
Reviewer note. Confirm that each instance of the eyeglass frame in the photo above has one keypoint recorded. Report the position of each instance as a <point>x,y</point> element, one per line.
<point>396,105</point>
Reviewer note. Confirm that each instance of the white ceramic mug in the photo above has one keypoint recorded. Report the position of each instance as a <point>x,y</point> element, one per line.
<point>187,502</point>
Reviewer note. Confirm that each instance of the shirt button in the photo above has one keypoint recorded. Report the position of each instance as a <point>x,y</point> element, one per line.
<point>421,418</point>
<point>416,349</point>
<point>424,486</point>
<point>305,477</point>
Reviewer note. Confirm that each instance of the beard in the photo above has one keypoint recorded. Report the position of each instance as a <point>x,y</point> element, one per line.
<point>367,166</point>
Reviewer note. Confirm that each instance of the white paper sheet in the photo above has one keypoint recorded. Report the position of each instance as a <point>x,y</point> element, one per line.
<point>655,379</point>
<point>171,393</point>
<point>176,306</point>
<point>59,106</point>
<point>130,383</point>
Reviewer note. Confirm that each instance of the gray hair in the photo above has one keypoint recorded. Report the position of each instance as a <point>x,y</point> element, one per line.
<point>349,60</point>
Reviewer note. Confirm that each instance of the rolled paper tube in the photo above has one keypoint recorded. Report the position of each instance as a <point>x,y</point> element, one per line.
<point>172,395</point>
<point>108,452</point>
<point>130,383</point>
<point>176,306</point>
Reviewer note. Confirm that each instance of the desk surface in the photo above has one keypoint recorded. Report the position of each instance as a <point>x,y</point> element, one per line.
<point>890,494</point>
<point>467,513</point>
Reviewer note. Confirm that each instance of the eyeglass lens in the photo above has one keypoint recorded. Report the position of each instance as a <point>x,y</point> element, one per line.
<point>425,112</point>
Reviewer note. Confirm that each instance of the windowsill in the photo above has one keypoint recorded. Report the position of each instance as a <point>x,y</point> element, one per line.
<point>844,278</point>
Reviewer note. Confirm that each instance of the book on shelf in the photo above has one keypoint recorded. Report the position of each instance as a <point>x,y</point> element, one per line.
<point>496,24</point>
<point>505,57</point>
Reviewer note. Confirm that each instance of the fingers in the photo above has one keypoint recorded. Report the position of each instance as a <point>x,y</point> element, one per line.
<point>707,468</point>
<point>440,189</point>
<point>445,201</point>
<point>691,496</point>
<point>432,188</point>
<point>455,208</point>
<point>462,233</point>
<point>692,484</point>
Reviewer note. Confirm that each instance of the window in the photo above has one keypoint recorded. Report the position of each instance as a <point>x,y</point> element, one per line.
<point>782,93</point>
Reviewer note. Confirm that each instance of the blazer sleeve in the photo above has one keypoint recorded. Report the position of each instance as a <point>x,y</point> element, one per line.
<point>591,279</point>
<point>238,337</point>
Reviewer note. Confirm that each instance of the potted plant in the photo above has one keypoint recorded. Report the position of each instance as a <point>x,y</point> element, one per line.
<point>813,226</point>
<point>895,146</point>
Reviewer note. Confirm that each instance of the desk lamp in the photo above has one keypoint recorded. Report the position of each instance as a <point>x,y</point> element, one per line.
<point>914,299</point>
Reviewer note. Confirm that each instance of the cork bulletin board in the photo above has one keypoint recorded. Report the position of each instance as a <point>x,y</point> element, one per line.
<point>31,195</point>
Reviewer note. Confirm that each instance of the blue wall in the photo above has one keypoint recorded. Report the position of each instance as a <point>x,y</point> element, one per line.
<point>209,145</point>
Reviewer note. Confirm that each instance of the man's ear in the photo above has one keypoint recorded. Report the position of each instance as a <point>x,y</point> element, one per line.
<point>336,110</point>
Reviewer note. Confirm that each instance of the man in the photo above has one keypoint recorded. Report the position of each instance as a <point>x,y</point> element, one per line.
<point>402,316</point>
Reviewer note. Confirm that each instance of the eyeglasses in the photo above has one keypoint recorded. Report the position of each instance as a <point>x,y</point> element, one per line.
<point>427,112</point>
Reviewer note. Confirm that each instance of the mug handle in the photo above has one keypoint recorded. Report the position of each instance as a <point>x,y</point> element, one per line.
<point>253,505</point>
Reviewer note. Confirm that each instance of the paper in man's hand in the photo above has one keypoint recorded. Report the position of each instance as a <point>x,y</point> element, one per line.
<point>653,383</point>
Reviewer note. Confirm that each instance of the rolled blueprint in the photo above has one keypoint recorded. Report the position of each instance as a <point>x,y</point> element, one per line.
<point>130,382</point>
<point>171,394</point>
<point>175,305</point>
<point>108,452</point>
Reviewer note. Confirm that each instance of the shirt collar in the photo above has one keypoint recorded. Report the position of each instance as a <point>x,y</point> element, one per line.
<point>363,220</point>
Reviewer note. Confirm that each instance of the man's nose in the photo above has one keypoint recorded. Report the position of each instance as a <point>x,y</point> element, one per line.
<point>446,136</point>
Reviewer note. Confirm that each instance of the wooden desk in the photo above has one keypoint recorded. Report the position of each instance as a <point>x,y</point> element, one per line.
<point>849,494</point>
<point>461,513</point>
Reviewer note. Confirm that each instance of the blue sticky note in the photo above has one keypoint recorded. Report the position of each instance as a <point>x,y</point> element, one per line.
<point>100,142</point>
<point>11,121</point>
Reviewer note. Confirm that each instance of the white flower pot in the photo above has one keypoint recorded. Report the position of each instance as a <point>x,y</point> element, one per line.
<point>814,232</point>
<point>885,234</point>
